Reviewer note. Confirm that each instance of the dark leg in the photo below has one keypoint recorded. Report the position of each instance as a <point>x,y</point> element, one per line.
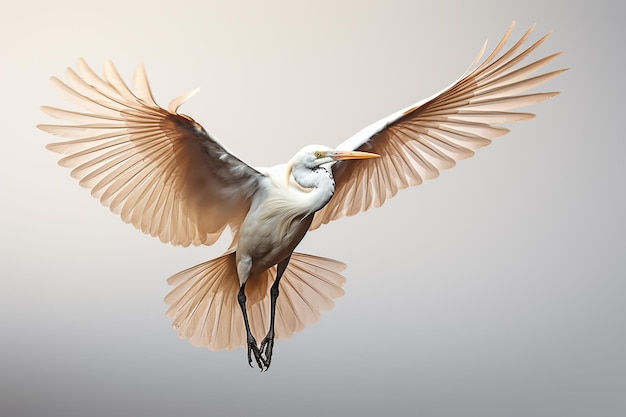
<point>252,346</point>
<point>267,345</point>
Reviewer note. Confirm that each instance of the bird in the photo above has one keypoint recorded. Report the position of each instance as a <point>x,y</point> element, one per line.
<point>162,172</point>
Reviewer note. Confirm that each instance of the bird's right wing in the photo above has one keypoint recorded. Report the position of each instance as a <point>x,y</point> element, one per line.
<point>158,169</point>
<point>416,143</point>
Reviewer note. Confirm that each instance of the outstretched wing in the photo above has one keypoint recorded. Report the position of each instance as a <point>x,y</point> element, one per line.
<point>417,142</point>
<point>158,169</point>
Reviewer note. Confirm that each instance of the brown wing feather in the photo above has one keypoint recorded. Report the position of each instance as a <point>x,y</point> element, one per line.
<point>158,169</point>
<point>417,143</point>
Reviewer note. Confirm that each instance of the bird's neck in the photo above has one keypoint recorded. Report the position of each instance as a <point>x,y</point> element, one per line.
<point>320,185</point>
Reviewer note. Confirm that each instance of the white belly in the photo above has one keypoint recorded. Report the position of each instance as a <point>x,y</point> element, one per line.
<point>270,232</point>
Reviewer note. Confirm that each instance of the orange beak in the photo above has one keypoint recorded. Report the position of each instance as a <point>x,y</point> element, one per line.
<point>343,155</point>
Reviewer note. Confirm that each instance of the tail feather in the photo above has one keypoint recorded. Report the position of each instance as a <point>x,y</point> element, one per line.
<point>204,307</point>
<point>201,304</point>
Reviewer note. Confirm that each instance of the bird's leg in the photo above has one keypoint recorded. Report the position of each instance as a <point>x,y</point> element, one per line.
<point>252,346</point>
<point>267,345</point>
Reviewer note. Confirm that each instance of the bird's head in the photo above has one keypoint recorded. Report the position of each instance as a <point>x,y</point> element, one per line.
<point>312,156</point>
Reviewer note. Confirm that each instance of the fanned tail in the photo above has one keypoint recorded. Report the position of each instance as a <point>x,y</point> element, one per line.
<point>307,288</point>
<point>204,307</point>
<point>203,303</point>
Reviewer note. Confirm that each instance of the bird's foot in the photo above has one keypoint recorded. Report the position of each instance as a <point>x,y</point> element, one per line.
<point>254,349</point>
<point>266,349</point>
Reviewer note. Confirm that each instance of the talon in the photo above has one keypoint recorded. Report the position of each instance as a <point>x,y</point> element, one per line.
<point>267,348</point>
<point>252,348</point>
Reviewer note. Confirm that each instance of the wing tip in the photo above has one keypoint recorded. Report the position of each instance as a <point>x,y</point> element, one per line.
<point>180,100</point>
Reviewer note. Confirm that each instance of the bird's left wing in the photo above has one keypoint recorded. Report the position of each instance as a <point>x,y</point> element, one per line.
<point>417,142</point>
<point>158,169</point>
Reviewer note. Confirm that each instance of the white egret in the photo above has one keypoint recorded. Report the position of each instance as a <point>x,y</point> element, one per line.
<point>163,173</point>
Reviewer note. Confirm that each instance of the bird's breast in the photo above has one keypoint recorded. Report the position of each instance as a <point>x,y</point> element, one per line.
<point>272,230</point>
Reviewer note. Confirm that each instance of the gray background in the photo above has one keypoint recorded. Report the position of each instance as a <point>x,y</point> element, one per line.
<point>495,290</point>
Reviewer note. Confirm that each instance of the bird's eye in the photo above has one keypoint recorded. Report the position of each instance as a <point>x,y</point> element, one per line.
<point>318,154</point>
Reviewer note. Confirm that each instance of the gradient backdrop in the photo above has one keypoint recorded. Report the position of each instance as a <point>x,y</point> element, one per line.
<point>494,290</point>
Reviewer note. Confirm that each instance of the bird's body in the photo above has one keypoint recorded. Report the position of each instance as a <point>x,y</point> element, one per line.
<point>268,236</point>
<point>163,173</point>
<point>280,215</point>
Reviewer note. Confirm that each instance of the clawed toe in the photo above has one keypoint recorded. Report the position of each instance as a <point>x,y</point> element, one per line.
<point>266,349</point>
<point>253,349</point>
